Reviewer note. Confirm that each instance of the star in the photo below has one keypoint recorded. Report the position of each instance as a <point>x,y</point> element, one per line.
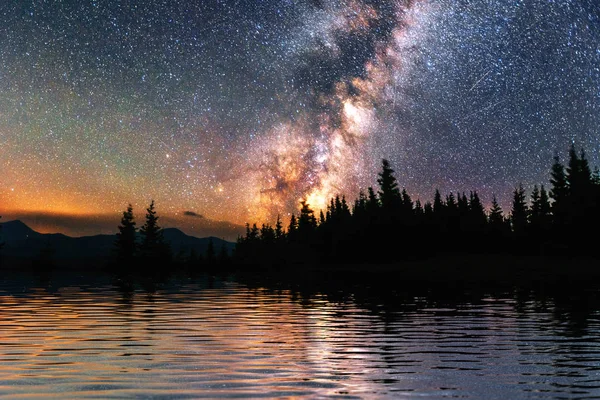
<point>240,110</point>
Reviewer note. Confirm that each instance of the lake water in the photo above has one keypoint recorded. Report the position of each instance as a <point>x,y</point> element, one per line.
<point>77,337</point>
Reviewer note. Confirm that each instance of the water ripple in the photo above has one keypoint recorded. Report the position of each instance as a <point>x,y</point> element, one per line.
<point>224,339</point>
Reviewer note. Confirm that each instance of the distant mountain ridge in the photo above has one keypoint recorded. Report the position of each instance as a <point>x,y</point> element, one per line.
<point>22,245</point>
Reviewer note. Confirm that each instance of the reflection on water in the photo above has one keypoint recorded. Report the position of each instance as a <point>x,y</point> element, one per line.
<point>217,338</point>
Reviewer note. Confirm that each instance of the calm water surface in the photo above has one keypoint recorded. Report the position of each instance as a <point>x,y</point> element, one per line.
<point>218,338</point>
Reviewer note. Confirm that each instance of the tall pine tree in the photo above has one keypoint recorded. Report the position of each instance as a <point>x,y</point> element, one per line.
<point>307,223</point>
<point>496,217</point>
<point>126,242</point>
<point>559,193</point>
<point>519,211</point>
<point>278,229</point>
<point>389,194</point>
<point>153,247</point>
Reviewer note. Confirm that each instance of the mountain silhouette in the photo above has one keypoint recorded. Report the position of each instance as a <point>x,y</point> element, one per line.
<point>23,244</point>
<point>17,230</point>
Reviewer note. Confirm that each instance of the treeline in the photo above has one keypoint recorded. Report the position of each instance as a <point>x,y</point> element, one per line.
<point>143,249</point>
<point>385,225</point>
<point>146,249</point>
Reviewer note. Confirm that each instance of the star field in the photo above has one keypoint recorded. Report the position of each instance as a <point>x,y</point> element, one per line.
<point>236,110</point>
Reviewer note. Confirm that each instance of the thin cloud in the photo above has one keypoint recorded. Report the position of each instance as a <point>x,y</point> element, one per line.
<point>192,214</point>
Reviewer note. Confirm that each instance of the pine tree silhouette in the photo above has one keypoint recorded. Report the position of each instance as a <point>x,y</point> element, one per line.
<point>438,223</point>
<point>373,203</point>
<point>153,247</point>
<point>544,208</point>
<point>344,209</point>
<point>438,204</point>
<point>580,202</point>
<point>360,205</point>
<point>428,208</point>
<point>496,218</point>
<point>477,218</point>
<point>267,235</point>
<point>278,229</point>
<point>559,193</point>
<point>535,210</point>
<point>462,204</point>
<point>389,194</point>
<point>578,175</point>
<point>596,176</point>
<point>390,227</point>
<point>407,206</point>
<point>519,212</point>
<point>419,211</point>
<point>452,216</point>
<point>307,223</point>
<point>292,231</point>
<point>126,242</point>
<point>252,233</point>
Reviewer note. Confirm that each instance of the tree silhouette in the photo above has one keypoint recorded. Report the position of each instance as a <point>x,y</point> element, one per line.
<point>544,208</point>
<point>373,203</point>
<point>438,203</point>
<point>344,211</point>
<point>322,218</point>
<point>559,194</point>
<point>307,223</point>
<point>407,206</point>
<point>519,211</point>
<point>252,234</point>
<point>388,226</point>
<point>419,212</point>
<point>476,218</point>
<point>535,211</point>
<point>278,229</point>
<point>389,194</point>
<point>581,201</point>
<point>125,244</point>
<point>293,226</point>
<point>539,217</point>
<point>498,228</point>
<point>539,213</point>
<point>496,218</point>
<point>153,247</point>
<point>578,174</point>
<point>596,176</point>
<point>360,204</point>
<point>267,234</point>
<point>462,204</point>
<point>451,213</point>
<point>292,231</point>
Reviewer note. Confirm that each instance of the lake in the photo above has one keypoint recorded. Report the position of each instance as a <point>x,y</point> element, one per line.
<point>76,336</point>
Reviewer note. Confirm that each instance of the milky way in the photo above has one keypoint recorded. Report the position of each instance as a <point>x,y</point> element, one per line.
<point>237,110</point>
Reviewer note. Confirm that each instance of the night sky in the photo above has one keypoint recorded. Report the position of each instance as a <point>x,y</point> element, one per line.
<point>233,111</point>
